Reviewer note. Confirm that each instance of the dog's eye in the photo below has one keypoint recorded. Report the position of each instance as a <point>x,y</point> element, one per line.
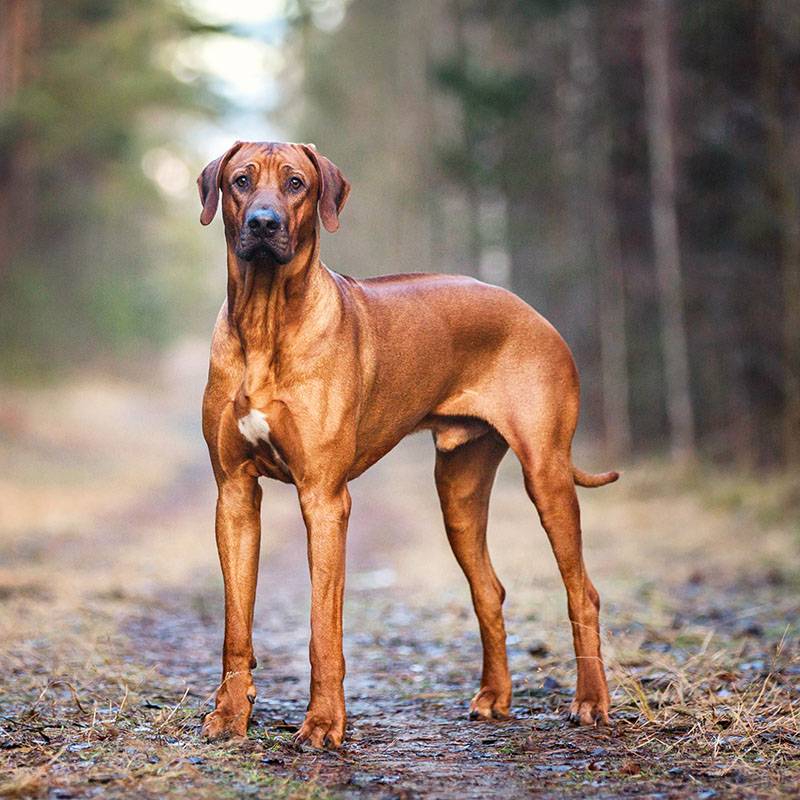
<point>295,183</point>
<point>242,181</point>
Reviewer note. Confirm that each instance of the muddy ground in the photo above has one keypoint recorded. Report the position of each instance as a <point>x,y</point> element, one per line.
<point>110,623</point>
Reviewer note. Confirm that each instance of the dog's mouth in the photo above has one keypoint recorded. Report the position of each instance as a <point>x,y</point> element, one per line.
<point>276,248</point>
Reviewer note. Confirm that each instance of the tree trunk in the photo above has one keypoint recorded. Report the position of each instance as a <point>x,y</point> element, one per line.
<point>19,34</point>
<point>666,245</point>
<point>16,27</point>
<point>604,231</point>
<point>782,188</point>
<point>472,191</point>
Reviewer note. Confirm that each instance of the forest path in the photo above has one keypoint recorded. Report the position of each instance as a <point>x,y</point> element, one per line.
<point>110,615</point>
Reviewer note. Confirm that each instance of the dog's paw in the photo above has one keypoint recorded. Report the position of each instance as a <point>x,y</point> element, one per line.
<point>490,704</point>
<point>220,725</point>
<point>321,731</point>
<point>230,718</point>
<point>588,712</point>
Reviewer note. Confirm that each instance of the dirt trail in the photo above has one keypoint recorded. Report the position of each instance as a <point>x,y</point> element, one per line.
<point>110,618</point>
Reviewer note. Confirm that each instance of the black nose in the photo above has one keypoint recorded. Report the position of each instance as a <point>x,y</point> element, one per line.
<point>263,220</point>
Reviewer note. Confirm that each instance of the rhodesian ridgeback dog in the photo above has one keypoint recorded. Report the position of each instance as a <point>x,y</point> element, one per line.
<point>314,376</point>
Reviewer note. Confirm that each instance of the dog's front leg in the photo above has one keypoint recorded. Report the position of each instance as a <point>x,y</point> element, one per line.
<point>326,513</point>
<point>238,529</point>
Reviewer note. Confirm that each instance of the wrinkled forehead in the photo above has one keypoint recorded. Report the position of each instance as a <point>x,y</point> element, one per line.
<point>272,158</point>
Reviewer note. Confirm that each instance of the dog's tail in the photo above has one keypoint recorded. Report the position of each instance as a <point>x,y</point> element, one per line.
<point>590,481</point>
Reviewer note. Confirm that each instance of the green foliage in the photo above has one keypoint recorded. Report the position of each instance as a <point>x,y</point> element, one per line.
<point>490,98</point>
<point>85,240</point>
<point>486,91</point>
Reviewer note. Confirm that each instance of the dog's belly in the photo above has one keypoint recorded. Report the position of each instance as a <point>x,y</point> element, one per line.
<point>448,434</point>
<point>370,453</point>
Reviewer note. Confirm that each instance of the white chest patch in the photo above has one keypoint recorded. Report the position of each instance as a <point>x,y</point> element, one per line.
<point>254,427</point>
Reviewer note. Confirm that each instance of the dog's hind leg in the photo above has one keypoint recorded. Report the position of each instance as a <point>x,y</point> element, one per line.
<point>542,443</point>
<point>464,478</point>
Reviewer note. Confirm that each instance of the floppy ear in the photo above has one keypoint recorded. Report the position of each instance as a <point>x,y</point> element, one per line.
<point>208,183</point>
<point>333,188</point>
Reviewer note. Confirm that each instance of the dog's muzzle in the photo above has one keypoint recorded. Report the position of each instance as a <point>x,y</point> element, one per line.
<point>264,233</point>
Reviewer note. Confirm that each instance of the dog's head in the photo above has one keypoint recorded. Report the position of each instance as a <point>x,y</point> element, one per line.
<point>271,193</point>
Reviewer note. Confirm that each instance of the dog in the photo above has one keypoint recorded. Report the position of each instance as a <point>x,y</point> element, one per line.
<point>314,376</point>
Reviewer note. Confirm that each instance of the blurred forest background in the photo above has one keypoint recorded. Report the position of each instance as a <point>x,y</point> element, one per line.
<point>631,168</point>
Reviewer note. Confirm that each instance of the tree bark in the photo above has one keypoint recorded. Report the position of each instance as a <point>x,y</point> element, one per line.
<point>666,242</point>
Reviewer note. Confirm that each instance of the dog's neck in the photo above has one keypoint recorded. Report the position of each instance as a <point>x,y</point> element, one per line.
<point>277,309</point>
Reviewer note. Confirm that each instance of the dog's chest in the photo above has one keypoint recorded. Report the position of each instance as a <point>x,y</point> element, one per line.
<point>254,428</point>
